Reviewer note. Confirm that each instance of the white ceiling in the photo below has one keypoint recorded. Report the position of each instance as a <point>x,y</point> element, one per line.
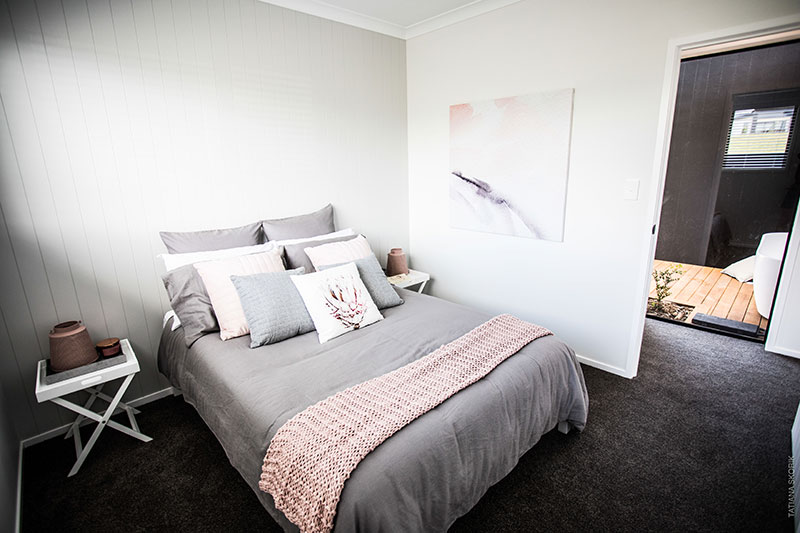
<point>398,18</point>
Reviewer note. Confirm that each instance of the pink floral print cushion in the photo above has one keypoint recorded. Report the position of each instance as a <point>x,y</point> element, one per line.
<point>337,301</point>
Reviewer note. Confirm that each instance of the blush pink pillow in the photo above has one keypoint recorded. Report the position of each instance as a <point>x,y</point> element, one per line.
<point>338,252</point>
<point>216,276</point>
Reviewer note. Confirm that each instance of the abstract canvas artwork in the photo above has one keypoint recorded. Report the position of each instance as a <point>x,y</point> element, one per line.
<point>508,164</point>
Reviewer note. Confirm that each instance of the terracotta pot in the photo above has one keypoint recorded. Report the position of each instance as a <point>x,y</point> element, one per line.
<point>396,262</point>
<point>70,346</point>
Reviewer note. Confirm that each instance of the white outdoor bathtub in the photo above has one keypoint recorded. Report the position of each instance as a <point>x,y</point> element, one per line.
<point>769,256</point>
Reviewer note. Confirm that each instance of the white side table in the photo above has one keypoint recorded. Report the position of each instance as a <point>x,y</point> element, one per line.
<point>414,277</point>
<point>93,383</point>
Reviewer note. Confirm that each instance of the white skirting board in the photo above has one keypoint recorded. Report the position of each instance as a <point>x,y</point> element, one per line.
<point>63,429</point>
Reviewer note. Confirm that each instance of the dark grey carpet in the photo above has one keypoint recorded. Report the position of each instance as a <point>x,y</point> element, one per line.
<point>698,441</point>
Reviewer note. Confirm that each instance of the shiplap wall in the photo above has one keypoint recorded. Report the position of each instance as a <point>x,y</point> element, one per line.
<point>123,118</point>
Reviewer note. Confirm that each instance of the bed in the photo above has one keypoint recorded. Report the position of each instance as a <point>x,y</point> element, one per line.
<point>432,471</point>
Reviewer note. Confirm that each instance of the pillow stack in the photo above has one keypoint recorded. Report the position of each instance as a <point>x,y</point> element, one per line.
<point>216,277</point>
<point>231,281</point>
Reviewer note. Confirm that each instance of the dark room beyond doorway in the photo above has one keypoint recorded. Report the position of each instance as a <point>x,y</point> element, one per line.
<point>731,188</point>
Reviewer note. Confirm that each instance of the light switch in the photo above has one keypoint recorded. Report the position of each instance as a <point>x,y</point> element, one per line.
<point>631,190</point>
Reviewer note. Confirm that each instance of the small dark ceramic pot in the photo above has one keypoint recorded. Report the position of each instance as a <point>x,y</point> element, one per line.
<point>109,347</point>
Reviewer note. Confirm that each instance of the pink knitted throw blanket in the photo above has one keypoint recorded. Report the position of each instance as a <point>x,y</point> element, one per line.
<point>314,453</point>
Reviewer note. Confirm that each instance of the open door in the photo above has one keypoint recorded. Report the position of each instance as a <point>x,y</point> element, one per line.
<point>783,335</point>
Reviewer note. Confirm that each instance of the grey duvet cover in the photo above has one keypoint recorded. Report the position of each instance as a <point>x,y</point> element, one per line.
<point>429,473</point>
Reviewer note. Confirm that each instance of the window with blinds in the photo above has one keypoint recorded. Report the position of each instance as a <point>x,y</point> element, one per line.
<point>759,138</point>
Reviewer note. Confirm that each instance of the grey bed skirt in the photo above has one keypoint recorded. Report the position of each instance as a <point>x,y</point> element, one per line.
<point>429,473</point>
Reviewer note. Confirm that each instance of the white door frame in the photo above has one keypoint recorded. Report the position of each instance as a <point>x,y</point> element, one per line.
<point>667,109</point>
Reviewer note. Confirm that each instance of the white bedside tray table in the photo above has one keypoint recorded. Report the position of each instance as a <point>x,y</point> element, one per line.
<point>414,277</point>
<point>93,383</point>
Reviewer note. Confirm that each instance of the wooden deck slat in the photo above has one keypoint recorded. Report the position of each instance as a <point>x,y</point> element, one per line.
<point>708,284</point>
<point>691,287</point>
<point>752,316</point>
<point>739,307</point>
<point>689,272</point>
<point>711,292</point>
<point>713,296</point>
<point>725,302</point>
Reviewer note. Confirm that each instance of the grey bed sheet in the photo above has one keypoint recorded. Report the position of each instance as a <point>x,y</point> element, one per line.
<point>429,473</point>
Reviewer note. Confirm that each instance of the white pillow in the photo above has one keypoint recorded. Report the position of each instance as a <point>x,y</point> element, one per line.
<point>341,233</point>
<point>742,270</point>
<point>173,261</point>
<point>176,322</point>
<point>216,277</point>
<point>337,301</point>
<point>338,252</point>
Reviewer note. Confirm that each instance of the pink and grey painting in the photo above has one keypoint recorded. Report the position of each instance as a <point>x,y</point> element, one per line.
<point>508,164</point>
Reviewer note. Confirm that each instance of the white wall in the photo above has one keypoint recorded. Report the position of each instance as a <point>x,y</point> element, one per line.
<point>588,288</point>
<point>120,119</point>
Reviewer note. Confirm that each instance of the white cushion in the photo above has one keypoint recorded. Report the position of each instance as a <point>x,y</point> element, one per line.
<point>216,276</point>
<point>742,270</point>
<point>338,252</point>
<point>173,261</point>
<point>341,233</point>
<point>337,301</point>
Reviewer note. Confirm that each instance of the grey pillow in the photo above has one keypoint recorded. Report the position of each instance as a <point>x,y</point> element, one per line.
<point>190,301</point>
<point>374,278</point>
<point>180,242</point>
<point>272,306</point>
<point>295,256</point>
<point>309,225</point>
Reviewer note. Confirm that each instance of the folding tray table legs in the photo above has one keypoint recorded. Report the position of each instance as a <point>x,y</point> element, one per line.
<point>102,419</point>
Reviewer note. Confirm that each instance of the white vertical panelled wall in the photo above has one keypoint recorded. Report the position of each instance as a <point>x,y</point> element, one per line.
<point>122,118</point>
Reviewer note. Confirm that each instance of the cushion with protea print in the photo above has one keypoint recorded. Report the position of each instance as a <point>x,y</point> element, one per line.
<point>337,301</point>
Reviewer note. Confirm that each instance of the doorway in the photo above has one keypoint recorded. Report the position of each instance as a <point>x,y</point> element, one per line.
<point>731,189</point>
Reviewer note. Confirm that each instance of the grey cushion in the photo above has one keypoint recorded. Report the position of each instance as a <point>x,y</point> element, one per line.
<point>272,306</point>
<point>374,278</point>
<point>190,301</point>
<point>309,225</point>
<point>179,242</point>
<point>295,256</point>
